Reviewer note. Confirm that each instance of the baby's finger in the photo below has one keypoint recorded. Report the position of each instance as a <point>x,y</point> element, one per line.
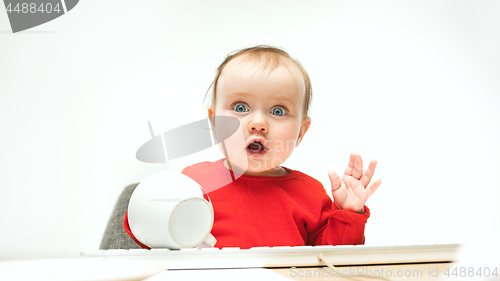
<point>350,164</point>
<point>367,177</point>
<point>357,172</point>
<point>373,187</point>
<point>335,180</point>
<point>340,195</point>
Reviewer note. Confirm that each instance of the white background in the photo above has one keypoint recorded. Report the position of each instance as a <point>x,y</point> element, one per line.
<point>414,84</point>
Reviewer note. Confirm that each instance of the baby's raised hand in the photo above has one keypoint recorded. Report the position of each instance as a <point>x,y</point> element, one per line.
<point>352,191</point>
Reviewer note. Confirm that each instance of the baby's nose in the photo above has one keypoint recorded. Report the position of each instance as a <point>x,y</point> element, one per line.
<point>258,126</point>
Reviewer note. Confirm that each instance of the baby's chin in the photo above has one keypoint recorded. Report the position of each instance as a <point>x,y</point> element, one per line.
<point>244,164</point>
<point>264,167</point>
<point>249,167</point>
<point>271,171</point>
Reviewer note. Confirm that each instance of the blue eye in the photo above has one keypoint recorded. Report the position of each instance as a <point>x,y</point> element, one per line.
<point>278,111</point>
<point>240,108</point>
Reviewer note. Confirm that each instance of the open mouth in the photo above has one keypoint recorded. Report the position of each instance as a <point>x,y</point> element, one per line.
<point>256,148</point>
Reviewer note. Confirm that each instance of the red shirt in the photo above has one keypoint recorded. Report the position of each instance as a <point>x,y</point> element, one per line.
<point>290,210</point>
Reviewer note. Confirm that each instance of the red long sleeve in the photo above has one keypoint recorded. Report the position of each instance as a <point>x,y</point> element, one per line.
<point>290,210</point>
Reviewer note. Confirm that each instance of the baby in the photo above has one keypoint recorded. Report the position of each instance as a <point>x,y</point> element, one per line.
<point>256,201</point>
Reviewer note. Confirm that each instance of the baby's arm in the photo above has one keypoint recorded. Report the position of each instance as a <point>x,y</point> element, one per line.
<point>352,191</point>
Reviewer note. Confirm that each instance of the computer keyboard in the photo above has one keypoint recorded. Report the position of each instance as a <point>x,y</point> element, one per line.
<point>192,258</point>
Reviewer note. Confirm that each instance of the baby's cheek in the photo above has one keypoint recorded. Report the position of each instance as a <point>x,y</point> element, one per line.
<point>233,149</point>
<point>283,146</point>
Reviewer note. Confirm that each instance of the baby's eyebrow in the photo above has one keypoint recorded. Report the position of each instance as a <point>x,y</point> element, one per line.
<point>277,98</point>
<point>238,94</point>
<point>285,98</point>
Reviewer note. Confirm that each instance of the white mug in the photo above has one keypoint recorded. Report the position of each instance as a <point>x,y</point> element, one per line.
<point>167,210</point>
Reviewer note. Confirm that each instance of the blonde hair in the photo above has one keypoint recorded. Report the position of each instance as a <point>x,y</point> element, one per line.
<point>271,58</point>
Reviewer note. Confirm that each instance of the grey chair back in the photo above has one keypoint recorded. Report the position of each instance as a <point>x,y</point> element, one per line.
<point>115,236</point>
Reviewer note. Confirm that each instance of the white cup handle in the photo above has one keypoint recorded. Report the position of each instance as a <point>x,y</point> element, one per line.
<point>210,240</point>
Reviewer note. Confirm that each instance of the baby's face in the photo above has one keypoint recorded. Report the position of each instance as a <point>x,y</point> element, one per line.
<point>269,107</point>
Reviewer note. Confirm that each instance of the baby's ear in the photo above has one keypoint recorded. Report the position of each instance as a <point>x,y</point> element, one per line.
<point>211,118</point>
<point>306,123</point>
<point>211,115</point>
